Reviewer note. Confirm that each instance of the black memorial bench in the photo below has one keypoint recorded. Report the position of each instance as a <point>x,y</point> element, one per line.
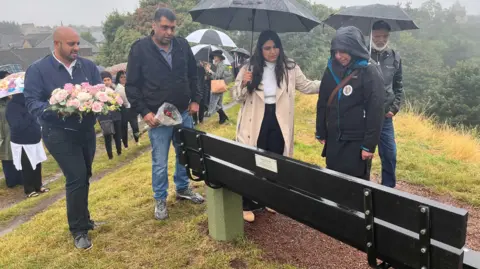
<point>395,228</point>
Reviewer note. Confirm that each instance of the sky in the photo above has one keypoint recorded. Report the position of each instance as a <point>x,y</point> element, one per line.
<point>94,12</point>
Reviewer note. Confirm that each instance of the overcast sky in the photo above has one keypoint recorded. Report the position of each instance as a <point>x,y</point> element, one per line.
<point>93,12</point>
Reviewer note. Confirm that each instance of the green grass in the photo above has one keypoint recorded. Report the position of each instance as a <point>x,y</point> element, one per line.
<point>133,239</point>
<point>100,164</point>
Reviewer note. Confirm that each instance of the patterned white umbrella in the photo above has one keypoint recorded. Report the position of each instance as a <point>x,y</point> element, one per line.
<point>211,37</point>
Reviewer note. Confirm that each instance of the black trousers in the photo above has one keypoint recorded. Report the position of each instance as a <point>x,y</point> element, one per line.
<point>201,113</point>
<point>74,152</point>
<point>129,116</point>
<point>117,125</point>
<point>32,179</point>
<point>13,177</point>
<point>270,139</point>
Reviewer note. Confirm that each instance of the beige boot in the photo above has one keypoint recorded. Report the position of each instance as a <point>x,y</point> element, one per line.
<point>248,216</point>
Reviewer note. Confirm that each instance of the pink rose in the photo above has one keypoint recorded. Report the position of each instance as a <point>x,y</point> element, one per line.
<point>73,102</point>
<point>85,85</point>
<point>92,90</point>
<point>69,87</point>
<point>119,100</point>
<point>97,107</point>
<point>53,101</point>
<point>102,96</point>
<point>61,95</point>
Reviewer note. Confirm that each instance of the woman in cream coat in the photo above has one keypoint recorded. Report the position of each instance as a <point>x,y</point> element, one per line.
<point>267,95</point>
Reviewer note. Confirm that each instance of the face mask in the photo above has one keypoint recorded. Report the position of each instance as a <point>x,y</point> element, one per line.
<point>379,48</point>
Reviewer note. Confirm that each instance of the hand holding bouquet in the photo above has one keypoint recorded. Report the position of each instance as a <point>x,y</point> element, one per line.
<point>168,115</point>
<point>83,99</point>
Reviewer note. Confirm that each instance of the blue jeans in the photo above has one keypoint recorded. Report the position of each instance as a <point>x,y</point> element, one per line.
<point>161,138</point>
<point>387,148</point>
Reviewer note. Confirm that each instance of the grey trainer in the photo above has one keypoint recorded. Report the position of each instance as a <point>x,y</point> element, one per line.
<point>161,212</point>
<point>189,194</point>
<point>82,241</point>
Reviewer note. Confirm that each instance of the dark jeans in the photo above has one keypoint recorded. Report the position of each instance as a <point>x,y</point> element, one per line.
<point>387,149</point>
<point>74,152</point>
<point>270,139</point>
<point>117,137</point>
<point>32,179</point>
<point>13,177</point>
<point>129,116</point>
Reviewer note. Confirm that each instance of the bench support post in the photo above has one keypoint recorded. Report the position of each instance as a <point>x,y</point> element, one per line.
<point>224,211</point>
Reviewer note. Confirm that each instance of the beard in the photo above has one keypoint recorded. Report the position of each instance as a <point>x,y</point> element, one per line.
<point>378,48</point>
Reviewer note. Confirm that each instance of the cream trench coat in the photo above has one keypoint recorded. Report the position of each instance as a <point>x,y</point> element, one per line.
<point>252,111</point>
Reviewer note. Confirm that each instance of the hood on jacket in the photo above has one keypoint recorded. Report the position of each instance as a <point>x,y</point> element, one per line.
<point>351,40</point>
<point>18,99</point>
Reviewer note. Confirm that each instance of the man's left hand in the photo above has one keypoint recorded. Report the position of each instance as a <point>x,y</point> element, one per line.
<point>390,115</point>
<point>366,155</point>
<point>193,108</point>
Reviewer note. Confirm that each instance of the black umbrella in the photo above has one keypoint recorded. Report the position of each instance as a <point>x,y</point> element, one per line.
<point>363,17</point>
<point>280,16</point>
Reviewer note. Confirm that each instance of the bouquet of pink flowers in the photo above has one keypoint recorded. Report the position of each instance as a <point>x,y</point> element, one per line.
<point>85,98</point>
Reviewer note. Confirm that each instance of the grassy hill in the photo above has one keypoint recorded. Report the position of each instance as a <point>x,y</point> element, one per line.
<point>438,157</point>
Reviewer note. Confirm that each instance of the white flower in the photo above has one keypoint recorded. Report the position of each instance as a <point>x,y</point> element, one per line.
<point>78,87</point>
<point>84,96</point>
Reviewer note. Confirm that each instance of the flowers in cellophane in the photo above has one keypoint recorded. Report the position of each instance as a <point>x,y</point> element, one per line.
<point>84,98</point>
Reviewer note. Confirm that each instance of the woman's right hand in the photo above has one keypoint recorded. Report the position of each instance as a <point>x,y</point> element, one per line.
<point>247,77</point>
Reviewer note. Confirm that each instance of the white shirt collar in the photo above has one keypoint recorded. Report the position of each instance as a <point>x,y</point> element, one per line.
<point>69,69</point>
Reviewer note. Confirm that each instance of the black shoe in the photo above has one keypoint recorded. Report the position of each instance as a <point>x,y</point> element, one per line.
<point>223,116</point>
<point>82,241</point>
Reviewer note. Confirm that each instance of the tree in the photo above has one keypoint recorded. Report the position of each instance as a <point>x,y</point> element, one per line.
<point>117,51</point>
<point>88,37</point>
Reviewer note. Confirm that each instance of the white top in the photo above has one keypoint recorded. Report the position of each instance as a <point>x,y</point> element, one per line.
<point>269,80</point>
<point>69,69</point>
<point>120,89</point>
<point>35,153</point>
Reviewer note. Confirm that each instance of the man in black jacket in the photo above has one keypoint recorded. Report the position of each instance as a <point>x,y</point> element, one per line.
<point>161,68</point>
<point>391,65</point>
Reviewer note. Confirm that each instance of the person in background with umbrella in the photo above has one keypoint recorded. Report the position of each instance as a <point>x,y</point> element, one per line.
<point>267,94</point>
<point>221,73</point>
<point>391,65</point>
<point>350,108</point>
<point>128,115</point>
<point>27,148</point>
<point>13,177</point>
<point>111,123</point>
<point>240,58</point>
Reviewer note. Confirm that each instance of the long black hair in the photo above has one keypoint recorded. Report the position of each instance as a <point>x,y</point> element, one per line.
<point>258,62</point>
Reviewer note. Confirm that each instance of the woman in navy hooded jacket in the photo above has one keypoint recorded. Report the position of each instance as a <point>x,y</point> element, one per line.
<point>27,150</point>
<point>350,126</point>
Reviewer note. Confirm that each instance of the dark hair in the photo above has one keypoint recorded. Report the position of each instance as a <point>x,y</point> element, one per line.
<point>381,25</point>
<point>3,74</point>
<point>105,74</point>
<point>164,12</point>
<point>119,74</point>
<point>258,62</point>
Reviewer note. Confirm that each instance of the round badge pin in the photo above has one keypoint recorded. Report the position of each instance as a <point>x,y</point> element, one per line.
<point>347,90</point>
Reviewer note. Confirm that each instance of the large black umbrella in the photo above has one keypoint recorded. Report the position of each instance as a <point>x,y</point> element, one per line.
<point>363,17</point>
<point>280,16</point>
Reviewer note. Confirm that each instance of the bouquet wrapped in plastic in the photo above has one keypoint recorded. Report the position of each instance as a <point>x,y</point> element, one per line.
<point>168,115</point>
<point>85,98</point>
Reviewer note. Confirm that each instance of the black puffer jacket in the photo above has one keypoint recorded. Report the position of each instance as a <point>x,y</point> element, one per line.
<point>357,111</point>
